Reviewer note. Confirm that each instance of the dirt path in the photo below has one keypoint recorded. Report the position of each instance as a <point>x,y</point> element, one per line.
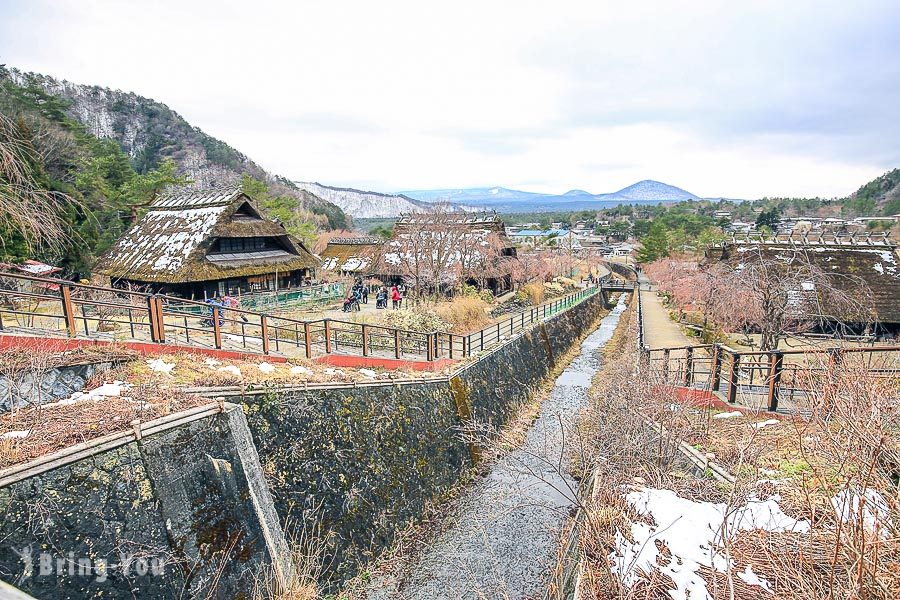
<point>502,534</point>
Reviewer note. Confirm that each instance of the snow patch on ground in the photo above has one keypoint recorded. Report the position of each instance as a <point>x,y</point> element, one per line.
<point>369,373</point>
<point>212,363</point>
<point>300,370</point>
<point>230,369</point>
<point>266,367</point>
<point>12,435</point>
<point>751,578</point>
<point>728,415</point>
<point>693,531</point>
<point>160,366</point>
<point>874,511</point>
<point>107,390</point>
<point>766,423</point>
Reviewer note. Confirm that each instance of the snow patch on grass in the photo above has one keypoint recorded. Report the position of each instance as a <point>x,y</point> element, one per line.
<point>160,366</point>
<point>694,533</point>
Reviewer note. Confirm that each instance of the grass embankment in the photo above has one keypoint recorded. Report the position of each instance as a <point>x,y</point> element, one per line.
<point>812,512</point>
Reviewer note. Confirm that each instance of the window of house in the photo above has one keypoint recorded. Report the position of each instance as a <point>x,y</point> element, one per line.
<point>243,244</point>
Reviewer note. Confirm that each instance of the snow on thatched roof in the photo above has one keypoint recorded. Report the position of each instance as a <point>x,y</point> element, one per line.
<point>876,263</point>
<point>353,255</point>
<point>171,243</point>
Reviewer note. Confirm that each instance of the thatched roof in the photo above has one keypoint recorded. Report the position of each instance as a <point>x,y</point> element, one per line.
<point>353,255</point>
<point>876,264</point>
<point>172,242</point>
<point>487,221</point>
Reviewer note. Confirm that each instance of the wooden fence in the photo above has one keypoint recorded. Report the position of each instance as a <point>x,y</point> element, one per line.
<point>773,377</point>
<point>41,306</point>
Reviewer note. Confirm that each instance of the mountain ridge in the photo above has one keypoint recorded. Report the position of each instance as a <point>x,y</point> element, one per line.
<point>149,131</point>
<point>646,191</point>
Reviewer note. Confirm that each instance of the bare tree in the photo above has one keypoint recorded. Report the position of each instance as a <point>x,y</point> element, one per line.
<point>781,294</point>
<point>443,249</point>
<point>774,294</point>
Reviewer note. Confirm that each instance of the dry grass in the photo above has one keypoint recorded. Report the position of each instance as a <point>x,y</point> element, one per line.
<point>849,443</point>
<point>55,427</point>
<point>464,313</point>
<point>305,568</point>
<point>534,291</point>
<point>198,371</point>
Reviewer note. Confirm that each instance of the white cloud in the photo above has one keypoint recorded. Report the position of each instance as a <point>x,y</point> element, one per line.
<point>719,98</point>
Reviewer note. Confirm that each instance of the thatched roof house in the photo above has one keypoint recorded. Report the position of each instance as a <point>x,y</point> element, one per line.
<point>352,255</point>
<point>199,243</point>
<point>443,249</point>
<point>870,262</point>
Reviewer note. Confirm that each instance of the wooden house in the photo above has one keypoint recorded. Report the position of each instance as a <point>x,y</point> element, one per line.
<point>352,256</point>
<point>867,262</point>
<point>196,244</point>
<point>437,250</point>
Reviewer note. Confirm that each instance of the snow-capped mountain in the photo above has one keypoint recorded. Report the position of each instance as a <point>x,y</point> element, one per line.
<point>649,190</point>
<point>508,200</point>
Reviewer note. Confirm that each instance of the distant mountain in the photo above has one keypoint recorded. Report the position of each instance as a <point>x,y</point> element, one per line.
<point>649,190</point>
<point>473,196</point>
<point>513,201</point>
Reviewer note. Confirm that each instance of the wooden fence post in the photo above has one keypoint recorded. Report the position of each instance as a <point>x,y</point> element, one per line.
<point>327,336</point>
<point>429,349</point>
<point>776,361</point>
<point>397,344</point>
<point>715,374</point>
<point>68,309</point>
<point>264,333</point>
<point>307,336</point>
<point>151,318</point>
<point>217,328</point>
<point>450,340</point>
<point>688,365</point>
<point>733,377</point>
<point>365,340</point>
<point>161,320</point>
<point>665,368</point>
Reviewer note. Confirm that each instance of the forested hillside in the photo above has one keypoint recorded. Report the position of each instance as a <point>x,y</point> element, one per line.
<point>107,153</point>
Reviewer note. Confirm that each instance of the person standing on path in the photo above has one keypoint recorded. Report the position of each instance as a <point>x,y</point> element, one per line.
<point>396,298</point>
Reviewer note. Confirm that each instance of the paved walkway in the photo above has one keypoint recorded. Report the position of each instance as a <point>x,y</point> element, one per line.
<point>659,330</point>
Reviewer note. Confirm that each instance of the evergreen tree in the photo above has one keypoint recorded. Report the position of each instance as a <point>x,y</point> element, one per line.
<point>654,245</point>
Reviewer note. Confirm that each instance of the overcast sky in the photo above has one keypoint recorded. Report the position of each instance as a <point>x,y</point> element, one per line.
<point>741,99</point>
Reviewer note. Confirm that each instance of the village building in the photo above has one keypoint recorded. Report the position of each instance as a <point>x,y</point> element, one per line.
<point>439,250</point>
<point>353,256</point>
<point>196,244</point>
<point>865,266</point>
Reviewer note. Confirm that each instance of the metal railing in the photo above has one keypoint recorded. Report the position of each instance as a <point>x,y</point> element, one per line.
<point>770,379</point>
<point>41,306</point>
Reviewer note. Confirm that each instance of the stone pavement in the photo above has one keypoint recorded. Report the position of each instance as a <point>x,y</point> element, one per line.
<point>659,330</point>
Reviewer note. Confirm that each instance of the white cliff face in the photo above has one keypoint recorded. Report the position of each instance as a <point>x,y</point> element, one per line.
<point>365,205</point>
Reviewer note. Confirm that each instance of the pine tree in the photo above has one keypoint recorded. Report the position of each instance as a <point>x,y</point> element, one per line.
<point>654,245</point>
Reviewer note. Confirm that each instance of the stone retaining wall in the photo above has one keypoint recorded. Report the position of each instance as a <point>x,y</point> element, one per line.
<point>52,385</point>
<point>159,517</point>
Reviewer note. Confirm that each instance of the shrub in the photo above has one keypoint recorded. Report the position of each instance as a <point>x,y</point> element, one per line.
<point>420,319</point>
<point>464,314</point>
<point>534,292</point>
